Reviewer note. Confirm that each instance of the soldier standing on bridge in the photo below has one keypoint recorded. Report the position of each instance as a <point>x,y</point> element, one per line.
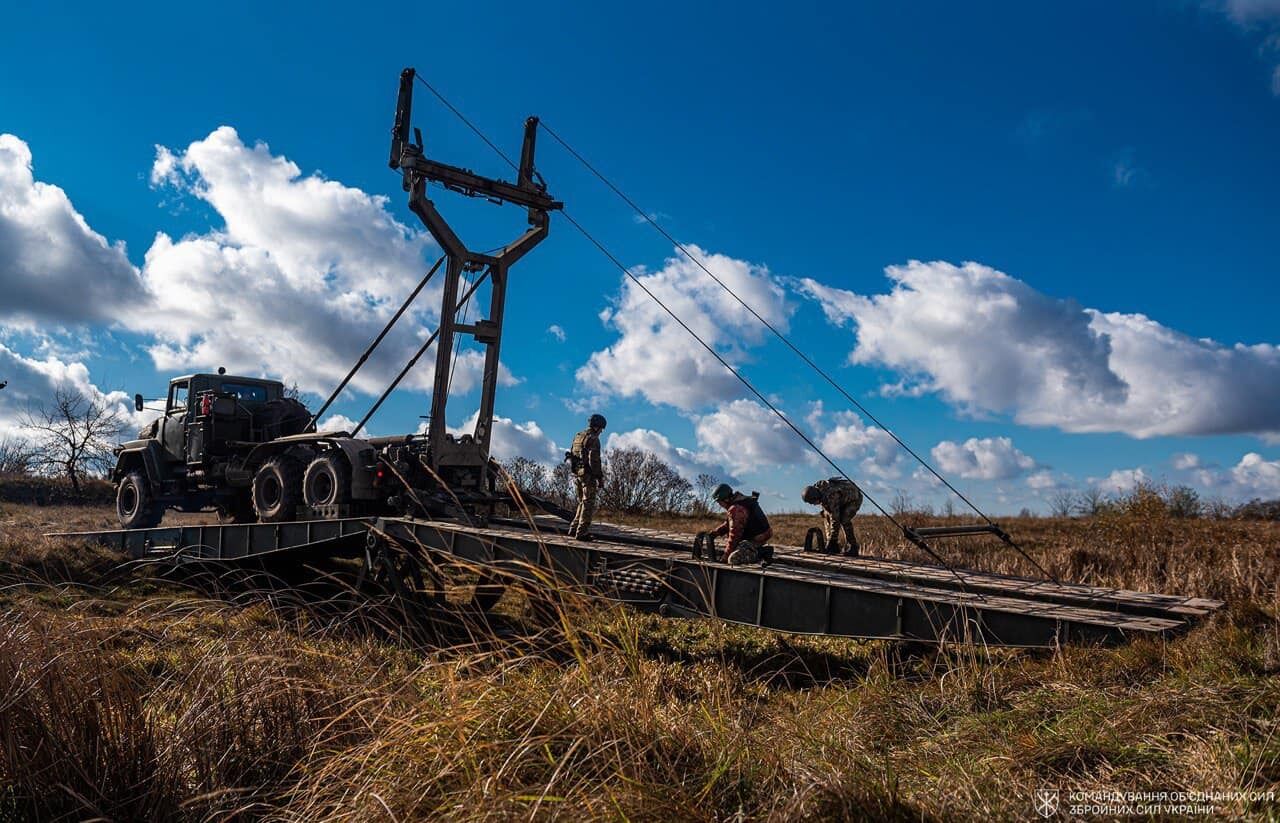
<point>840,500</point>
<point>584,460</point>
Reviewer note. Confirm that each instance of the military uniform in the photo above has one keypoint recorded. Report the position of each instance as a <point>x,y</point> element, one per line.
<point>747,528</point>
<point>587,475</point>
<point>840,501</point>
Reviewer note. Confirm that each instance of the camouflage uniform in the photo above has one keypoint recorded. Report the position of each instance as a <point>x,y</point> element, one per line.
<point>586,479</point>
<point>841,500</point>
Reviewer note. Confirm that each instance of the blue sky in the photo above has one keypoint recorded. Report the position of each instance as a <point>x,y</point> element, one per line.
<point>1095,162</point>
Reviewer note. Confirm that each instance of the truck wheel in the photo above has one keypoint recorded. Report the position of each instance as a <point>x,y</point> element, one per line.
<point>327,481</point>
<point>135,506</point>
<point>277,490</point>
<point>238,509</point>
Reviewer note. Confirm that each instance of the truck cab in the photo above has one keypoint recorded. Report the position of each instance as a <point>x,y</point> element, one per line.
<point>193,457</point>
<point>184,439</point>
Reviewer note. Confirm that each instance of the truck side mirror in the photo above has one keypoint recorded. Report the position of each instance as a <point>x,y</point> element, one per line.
<point>137,402</point>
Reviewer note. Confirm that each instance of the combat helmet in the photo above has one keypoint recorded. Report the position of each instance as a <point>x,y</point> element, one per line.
<point>811,495</point>
<point>597,421</point>
<point>722,493</point>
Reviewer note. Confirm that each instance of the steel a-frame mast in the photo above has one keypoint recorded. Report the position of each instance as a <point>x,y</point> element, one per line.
<point>456,459</point>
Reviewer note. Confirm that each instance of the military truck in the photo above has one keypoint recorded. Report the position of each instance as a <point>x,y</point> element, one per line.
<point>241,447</point>
<point>237,445</point>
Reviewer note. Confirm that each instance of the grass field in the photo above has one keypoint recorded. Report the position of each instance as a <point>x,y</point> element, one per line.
<point>131,698</point>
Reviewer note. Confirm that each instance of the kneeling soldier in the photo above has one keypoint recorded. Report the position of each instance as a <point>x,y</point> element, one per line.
<point>840,500</point>
<point>747,526</point>
<point>584,459</point>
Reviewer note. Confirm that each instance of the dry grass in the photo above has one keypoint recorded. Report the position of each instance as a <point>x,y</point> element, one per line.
<point>150,700</point>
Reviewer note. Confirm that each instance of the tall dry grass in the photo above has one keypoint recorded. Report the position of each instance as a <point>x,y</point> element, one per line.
<point>138,698</point>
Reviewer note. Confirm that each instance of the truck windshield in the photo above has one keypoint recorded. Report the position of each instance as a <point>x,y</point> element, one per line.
<point>245,392</point>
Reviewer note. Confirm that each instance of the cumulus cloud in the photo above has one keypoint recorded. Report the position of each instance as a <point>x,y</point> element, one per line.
<point>988,342</point>
<point>509,439</point>
<point>653,357</point>
<point>1257,477</point>
<point>988,458</point>
<point>302,274</point>
<point>685,461</point>
<point>850,438</point>
<point>53,266</point>
<point>1121,481</point>
<point>1253,476</point>
<point>339,423</point>
<point>33,381</point>
<point>745,436</point>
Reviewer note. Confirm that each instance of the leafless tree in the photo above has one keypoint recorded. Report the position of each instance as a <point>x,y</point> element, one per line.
<point>703,486</point>
<point>73,435</point>
<point>15,456</point>
<point>1062,503</point>
<point>639,481</point>
<point>1092,501</point>
<point>560,484</point>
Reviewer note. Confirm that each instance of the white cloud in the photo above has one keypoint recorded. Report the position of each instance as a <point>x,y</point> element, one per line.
<point>53,266</point>
<point>850,438</point>
<point>1044,481</point>
<point>1256,477</point>
<point>302,274</point>
<point>1253,476</point>
<point>555,331</point>
<point>688,463</point>
<point>33,381</point>
<point>510,439</point>
<point>339,423</point>
<point>1185,461</point>
<point>988,342</point>
<point>655,358</point>
<point>745,437</point>
<point>1121,481</point>
<point>989,458</point>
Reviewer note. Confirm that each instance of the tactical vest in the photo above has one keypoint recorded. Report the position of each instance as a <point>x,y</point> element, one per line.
<point>757,524</point>
<point>578,456</point>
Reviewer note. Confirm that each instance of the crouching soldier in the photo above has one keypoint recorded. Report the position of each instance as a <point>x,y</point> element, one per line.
<point>840,500</point>
<point>746,526</point>
<point>584,460</point>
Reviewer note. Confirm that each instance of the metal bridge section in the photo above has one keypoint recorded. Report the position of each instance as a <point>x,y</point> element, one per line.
<point>797,592</point>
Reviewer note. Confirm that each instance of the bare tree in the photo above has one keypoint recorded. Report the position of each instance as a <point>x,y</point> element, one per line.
<point>560,484</point>
<point>73,436</point>
<point>15,456</point>
<point>1062,503</point>
<point>1092,501</point>
<point>704,485</point>
<point>641,482</point>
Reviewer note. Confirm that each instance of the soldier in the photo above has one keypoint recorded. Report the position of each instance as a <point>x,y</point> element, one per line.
<point>840,500</point>
<point>584,460</point>
<point>747,526</point>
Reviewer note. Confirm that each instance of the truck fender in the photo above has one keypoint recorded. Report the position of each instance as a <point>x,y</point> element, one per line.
<point>140,454</point>
<point>361,457</point>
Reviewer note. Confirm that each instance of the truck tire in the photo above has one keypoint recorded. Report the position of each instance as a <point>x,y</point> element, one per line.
<point>135,505</point>
<point>327,481</point>
<point>238,509</point>
<point>277,490</point>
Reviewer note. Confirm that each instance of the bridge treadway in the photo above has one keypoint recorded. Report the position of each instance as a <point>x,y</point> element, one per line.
<point>799,592</point>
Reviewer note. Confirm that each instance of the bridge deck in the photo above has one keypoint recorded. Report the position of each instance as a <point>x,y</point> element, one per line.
<point>800,592</point>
